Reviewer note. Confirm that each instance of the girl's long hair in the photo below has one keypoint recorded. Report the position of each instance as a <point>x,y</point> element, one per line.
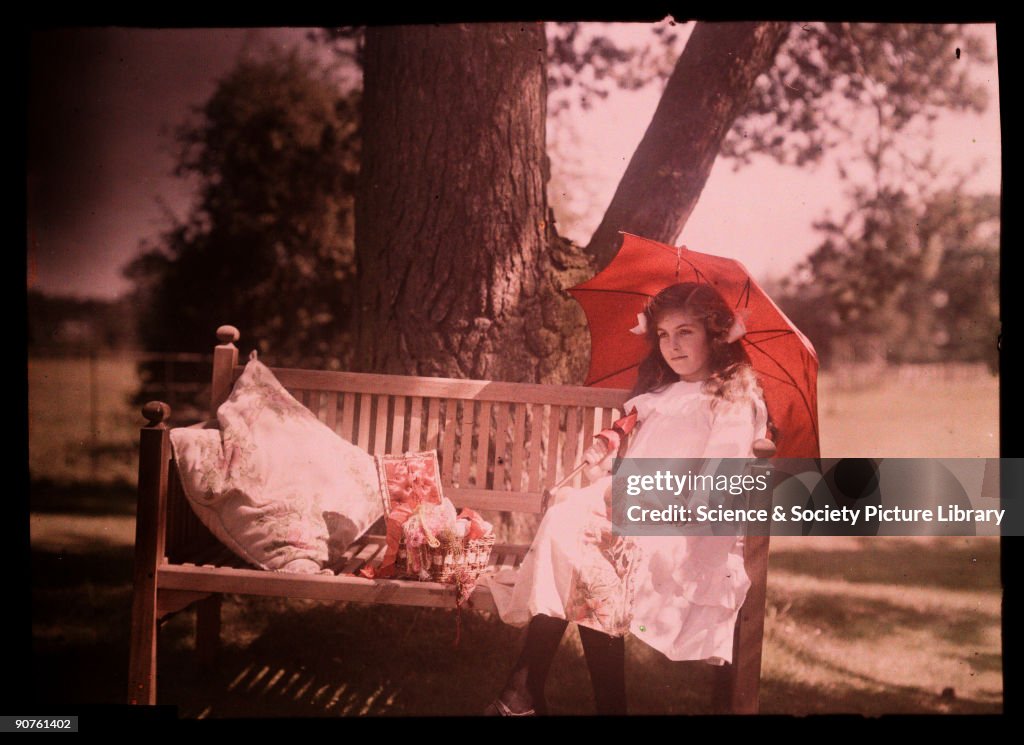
<point>731,373</point>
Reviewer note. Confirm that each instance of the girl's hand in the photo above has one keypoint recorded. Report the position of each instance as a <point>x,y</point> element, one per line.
<point>596,452</point>
<point>599,459</point>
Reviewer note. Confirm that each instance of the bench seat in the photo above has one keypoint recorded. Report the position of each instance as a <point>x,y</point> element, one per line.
<point>219,570</point>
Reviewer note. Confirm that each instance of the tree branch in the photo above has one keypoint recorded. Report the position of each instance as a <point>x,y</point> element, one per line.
<point>707,90</point>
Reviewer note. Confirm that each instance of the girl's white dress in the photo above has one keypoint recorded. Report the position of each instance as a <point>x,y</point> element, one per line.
<point>679,594</point>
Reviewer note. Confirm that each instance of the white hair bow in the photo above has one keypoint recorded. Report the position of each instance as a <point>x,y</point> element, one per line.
<point>641,324</point>
<point>738,328</point>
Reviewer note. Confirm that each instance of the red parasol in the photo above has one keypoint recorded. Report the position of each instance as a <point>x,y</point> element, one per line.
<point>783,358</point>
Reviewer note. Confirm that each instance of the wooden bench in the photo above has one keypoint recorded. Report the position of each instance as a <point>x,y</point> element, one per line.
<point>499,445</point>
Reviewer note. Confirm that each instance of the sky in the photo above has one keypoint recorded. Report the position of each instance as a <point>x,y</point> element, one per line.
<point>103,105</point>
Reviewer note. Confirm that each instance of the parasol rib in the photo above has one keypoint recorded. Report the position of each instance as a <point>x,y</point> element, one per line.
<point>803,396</point>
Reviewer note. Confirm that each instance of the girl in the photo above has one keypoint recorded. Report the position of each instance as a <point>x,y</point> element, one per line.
<point>696,397</point>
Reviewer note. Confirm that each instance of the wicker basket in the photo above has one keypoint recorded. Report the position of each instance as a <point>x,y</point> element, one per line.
<point>444,562</point>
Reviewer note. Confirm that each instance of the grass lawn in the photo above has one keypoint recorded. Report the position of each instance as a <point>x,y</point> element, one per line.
<point>61,444</point>
<point>925,419</point>
<point>854,625</point>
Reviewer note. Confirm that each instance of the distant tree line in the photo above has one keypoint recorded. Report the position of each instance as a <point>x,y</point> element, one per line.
<point>903,283</point>
<point>68,325</point>
<point>269,244</point>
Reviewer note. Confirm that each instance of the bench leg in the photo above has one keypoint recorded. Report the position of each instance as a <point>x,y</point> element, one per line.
<point>739,685</point>
<point>150,519</point>
<point>724,680</point>
<point>142,654</point>
<point>208,630</point>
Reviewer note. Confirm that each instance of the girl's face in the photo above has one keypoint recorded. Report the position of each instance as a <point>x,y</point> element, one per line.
<point>683,341</point>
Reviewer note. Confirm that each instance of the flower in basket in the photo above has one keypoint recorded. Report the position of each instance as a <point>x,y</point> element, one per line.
<point>423,528</point>
<point>471,526</point>
<point>406,482</point>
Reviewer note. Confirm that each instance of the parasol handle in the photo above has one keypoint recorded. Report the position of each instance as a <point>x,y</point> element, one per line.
<point>546,498</point>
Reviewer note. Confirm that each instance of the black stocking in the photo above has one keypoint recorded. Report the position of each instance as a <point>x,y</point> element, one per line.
<point>525,687</point>
<point>606,660</point>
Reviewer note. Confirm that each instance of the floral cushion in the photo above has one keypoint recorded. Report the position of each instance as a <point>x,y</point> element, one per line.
<point>272,482</point>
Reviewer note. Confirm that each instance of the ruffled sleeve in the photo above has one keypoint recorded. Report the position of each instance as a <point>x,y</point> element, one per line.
<point>640,403</point>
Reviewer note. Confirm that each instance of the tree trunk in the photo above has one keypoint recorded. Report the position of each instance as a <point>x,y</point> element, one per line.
<point>457,256</point>
<point>707,91</point>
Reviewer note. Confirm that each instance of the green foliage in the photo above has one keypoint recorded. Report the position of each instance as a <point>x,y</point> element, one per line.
<point>910,272</point>
<point>924,280</point>
<point>585,62</point>
<point>268,246</point>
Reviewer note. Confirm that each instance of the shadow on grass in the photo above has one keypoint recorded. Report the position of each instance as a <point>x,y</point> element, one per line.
<point>75,572</point>
<point>869,618</point>
<point>349,660</point>
<point>295,658</point>
<point>788,697</point>
<point>81,615</point>
<point>960,564</point>
<point>83,498</point>
<point>983,662</point>
<point>362,660</point>
<point>337,660</point>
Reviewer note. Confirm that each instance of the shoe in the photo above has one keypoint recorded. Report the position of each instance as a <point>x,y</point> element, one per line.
<point>498,708</point>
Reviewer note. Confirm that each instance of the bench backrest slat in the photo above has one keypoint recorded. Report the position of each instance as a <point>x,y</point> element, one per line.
<point>348,416</point>
<point>380,429</point>
<point>448,441</point>
<point>571,449</point>
<point>331,417</point>
<point>482,431</point>
<point>415,423</point>
<point>433,425</point>
<point>364,413</point>
<point>465,439</point>
<point>313,402</point>
<point>588,428</point>
<point>502,452</point>
<point>535,428</point>
<point>396,430</point>
<point>553,417</point>
<point>518,444</point>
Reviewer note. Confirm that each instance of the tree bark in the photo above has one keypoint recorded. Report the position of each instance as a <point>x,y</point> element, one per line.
<point>457,272</point>
<point>707,90</point>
